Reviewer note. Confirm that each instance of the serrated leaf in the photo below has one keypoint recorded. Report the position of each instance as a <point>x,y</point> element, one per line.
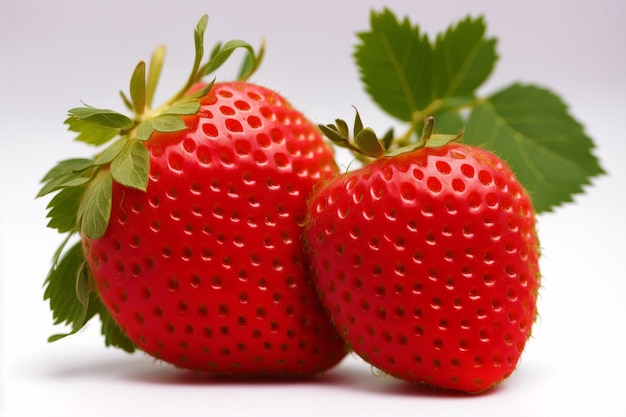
<point>93,134</point>
<point>394,61</point>
<point>531,129</point>
<point>95,206</point>
<point>59,290</point>
<point>65,167</point>
<point>138,87</point>
<point>113,334</point>
<point>132,166</point>
<point>68,173</point>
<point>63,209</point>
<point>463,58</point>
<point>187,107</point>
<point>102,117</point>
<point>369,144</point>
<point>168,123</point>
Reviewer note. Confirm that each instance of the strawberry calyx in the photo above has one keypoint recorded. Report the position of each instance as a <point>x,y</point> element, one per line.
<point>83,186</point>
<point>126,159</point>
<point>366,145</point>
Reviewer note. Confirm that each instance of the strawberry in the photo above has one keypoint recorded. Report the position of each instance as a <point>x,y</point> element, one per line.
<point>200,262</point>
<point>427,261</point>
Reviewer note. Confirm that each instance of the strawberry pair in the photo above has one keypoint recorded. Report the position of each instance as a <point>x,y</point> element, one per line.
<point>216,233</point>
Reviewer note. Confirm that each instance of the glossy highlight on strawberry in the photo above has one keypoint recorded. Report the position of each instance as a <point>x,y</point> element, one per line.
<point>428,264</point>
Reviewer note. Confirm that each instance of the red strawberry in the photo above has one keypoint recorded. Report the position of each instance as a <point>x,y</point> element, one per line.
<point>202,266</point>
<point>428,263</point>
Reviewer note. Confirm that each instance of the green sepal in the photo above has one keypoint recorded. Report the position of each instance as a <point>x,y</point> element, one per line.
<point>110,152</point>
<point>144,130</point>
<point>91,133</point>
<point>138,88</point>
<point>224,52</point>
<point>113,334</point>
<point>67,173</point>
<point>166,123</point>
<point>183,108</point>
<point>154,73</point>
<point>203,91</point>
<point>63,209</point>
<point>440,140</point>
<point>368,143</point>
<point>65,305</point>
<point>102,117</point>
<point>132,166</point>
<point>94,210</point>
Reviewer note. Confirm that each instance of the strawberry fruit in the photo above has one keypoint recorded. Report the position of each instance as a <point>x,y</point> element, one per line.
<point>190,228</point>
<point>428,262</point>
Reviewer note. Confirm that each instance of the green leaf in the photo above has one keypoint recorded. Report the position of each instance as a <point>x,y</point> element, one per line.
<point>88,132</point>
<point>199,43</point>
<point>63,209</point>
<point>168,123</point>
<point>342,126</point>
<point>102,117</point>
<point>332,133</point>
<point>395,63</point>
<point>110,152</point>
<point>358,123</point>
<point>132,166</point>
<point>186,107</point>
<point>138,87</point>
<point>144,130</point>
<point>224,53</point>
<point>113,334</point>
<point>463,58</point>
<point>60,287</point>
<point>203,91</point>
<point>67,166</point>
<point>154,73</point>
<point>82,284</point>
<point>369,144</point>
<point>67,173</point>
<point>531,129</point>
<point>95,207</point>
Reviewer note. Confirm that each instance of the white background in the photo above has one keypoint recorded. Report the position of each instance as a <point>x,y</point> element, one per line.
<point>55,53</point>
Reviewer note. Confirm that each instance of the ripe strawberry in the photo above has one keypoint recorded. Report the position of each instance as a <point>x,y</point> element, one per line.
<point>428,264</point>
<point>202,266</point>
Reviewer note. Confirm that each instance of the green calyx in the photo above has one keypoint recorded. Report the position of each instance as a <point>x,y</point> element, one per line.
<point>365,144</point>
<point>83,186</point>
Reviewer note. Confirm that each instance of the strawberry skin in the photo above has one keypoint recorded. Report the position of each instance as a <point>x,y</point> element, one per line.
<point>205,269</point>
<point>428,264</point>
